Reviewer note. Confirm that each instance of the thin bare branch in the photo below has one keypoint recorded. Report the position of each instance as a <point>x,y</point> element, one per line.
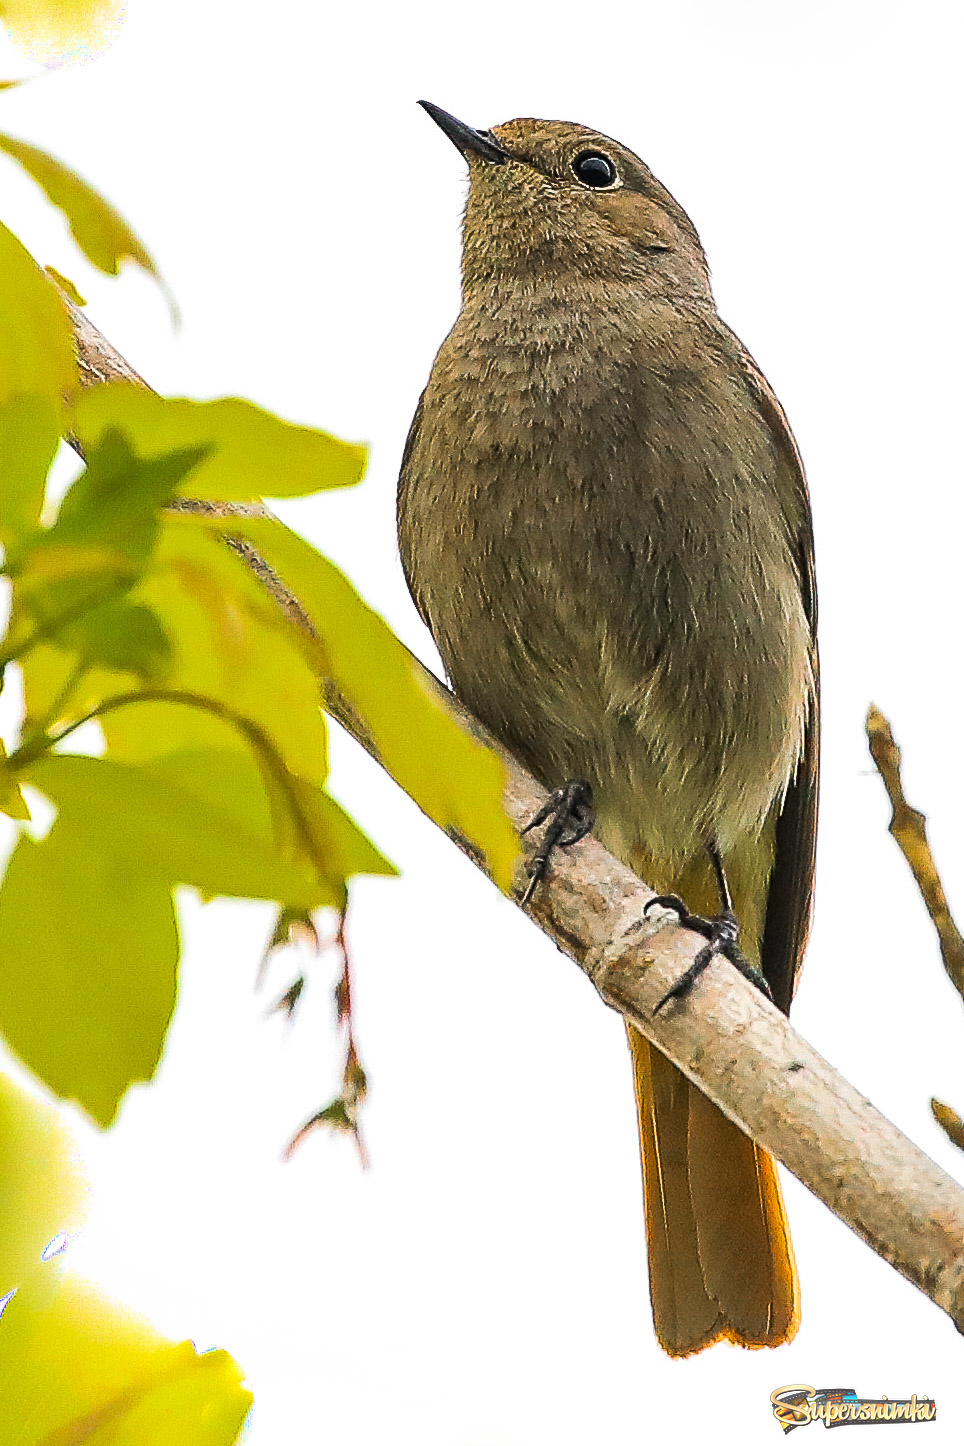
<point>725,1036</point>
<point>909,828</point>
<point>950,1122</point>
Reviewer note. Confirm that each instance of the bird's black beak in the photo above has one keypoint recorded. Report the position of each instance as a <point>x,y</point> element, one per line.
<point>464,138</point>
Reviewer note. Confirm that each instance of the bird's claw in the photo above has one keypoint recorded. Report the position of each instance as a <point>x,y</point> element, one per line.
<point>570,815</point>
<point>721,934</point>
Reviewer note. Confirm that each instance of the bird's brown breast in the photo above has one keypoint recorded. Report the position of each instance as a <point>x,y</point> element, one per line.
<point>590,518</point>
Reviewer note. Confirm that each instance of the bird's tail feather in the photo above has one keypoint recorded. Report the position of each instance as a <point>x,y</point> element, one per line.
<point>720,1261</point>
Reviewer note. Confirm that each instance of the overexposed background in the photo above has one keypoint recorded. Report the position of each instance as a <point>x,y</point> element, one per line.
<point>484,1283</point>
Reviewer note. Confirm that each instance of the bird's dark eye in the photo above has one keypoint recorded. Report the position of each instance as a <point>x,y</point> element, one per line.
<point>595,170</point>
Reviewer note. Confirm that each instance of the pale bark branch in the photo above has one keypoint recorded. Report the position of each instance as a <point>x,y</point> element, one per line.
<point>724,1036</point>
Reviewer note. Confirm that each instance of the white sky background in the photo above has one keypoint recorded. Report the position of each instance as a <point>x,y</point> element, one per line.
<point>484,1283</point>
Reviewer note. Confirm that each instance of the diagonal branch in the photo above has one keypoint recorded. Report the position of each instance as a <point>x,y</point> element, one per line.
<point>740,1050</point>
<point>908,827</point>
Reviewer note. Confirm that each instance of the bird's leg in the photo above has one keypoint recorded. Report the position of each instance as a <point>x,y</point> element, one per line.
<point>570,815</point>
<point>721,934</point>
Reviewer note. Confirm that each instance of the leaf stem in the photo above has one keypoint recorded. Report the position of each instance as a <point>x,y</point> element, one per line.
<point>53,711</point>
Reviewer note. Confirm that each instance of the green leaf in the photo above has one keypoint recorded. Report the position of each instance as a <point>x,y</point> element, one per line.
<point>89,944</point>
<point>47,671</point>
<point>204,819</point>
<point>36,355</point>
<point>41,1186</point>
<point>87,930</point>
<point>53,31</point>
<point>103,537</point>
<point>12,801</point>
<point>115,502</point>
<point>69,578</point>
<point>123,637</point>
<point>193,1399</point>
<point>251,453</point>
<point>231,643</point>
<point>29,436</point>
<point>66,285</point>
<point>101,232</point>
<point>75,1367</point>
<point>303,865</point>
<point>226,642</point>
<point>345,848</point>
<point>456,781</point>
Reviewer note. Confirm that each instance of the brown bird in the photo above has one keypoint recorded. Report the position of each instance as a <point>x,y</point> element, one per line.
<point>604,522</point>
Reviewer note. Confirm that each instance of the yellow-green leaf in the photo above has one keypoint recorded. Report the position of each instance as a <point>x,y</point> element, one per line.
<point>37,369</point>
<point>89,944</point>
<point>346,848</point>
<point>36,355</point>
<point>231,643</point>
<point>453,779</point>
<point>195,1400</point>
<point>54,31</point>
<point>57,690</point>
<point>201,819</point>
<point>116,500</point>
<point>12,801</point>
<point>101,232</point>
<point>66,285</point>
<point>52,562</point>
<point>122,637</point>
<point>102,539</point>
<point>251,453</point>
<point>67,574</point>
<point>230,783</point>
<point>41,1187</point>
<point>29,435</point>
<point>74,1367</point>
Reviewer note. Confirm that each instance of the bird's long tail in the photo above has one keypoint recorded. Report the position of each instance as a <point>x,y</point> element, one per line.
<point>720,1261</point>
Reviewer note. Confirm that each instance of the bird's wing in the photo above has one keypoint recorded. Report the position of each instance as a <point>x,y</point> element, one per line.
<point>410,443</point>
<point>790,899</point>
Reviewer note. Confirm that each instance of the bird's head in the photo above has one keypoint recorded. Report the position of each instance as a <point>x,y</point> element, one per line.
<point>554,198</point>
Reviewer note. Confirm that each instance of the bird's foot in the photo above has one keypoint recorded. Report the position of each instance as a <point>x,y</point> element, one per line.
<point>721,934</point>
<point>570,815</point>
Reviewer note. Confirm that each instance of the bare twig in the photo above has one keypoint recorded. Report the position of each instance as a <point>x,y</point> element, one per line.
<point>725,1036</point>
<point>288,1002</point>
<point>950,1122</point>
<point>341,1113</point>
<point>909,828</point>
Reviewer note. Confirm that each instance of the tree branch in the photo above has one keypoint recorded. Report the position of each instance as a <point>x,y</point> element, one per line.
<point>740,1050</point>
<point>908,827</point>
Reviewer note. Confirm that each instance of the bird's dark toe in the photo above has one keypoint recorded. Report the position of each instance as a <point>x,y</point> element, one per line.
<point>569,814</point>
<point>721,934</point>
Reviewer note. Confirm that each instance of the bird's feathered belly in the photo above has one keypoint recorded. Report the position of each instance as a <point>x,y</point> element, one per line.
<point>598,595</point>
